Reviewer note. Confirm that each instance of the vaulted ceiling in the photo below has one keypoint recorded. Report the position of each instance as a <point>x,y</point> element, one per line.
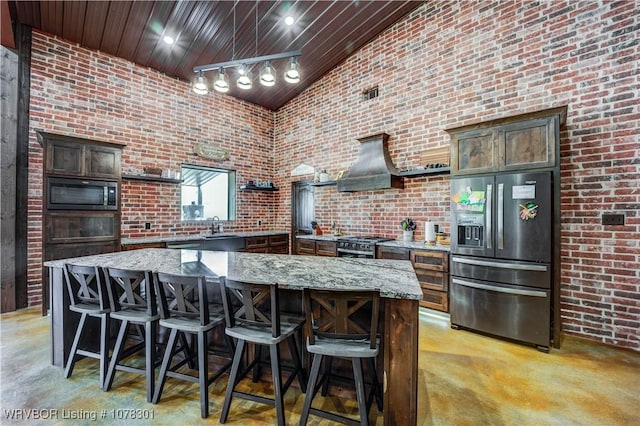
<point>326,32</point>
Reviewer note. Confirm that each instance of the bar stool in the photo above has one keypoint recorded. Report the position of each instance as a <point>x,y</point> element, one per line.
<point>185,309</point>
<point>255,318</point>
<point>339,325</point>
<point>133,301</point>
<point>88,297</point>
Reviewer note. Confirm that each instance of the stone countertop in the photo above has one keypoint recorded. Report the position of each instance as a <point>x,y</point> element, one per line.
<point>193,237</point>
<point>413,245</point>
<point>395,279</point>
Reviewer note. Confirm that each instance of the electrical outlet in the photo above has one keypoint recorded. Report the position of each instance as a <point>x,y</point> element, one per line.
<point>147,225</point>
<point>259,222</point>
<point>612,219</point>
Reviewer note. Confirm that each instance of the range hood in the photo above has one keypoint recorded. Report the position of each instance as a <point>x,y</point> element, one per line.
<point>373,169</point>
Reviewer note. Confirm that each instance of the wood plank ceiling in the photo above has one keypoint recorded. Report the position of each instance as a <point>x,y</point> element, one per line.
<point>326,32</point>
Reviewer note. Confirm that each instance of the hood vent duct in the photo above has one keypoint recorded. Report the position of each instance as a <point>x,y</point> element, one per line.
<point>373,169</point>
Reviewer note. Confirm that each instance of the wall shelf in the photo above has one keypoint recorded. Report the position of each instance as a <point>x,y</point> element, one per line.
<point>151,178</point>
<point>258,188</point>
<point>327,183</point>
<point>426,172</point>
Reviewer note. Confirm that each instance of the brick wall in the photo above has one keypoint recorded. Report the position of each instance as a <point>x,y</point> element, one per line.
<point>88,94</point>
<point>451,64</point>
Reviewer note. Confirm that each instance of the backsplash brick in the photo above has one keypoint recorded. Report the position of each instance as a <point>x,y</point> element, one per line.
<point>450,64</point>
<point>447,64</point>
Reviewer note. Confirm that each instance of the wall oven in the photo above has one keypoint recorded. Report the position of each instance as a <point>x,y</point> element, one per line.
<point>81,194</point>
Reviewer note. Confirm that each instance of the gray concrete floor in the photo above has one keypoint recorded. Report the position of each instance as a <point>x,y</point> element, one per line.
<point>465,379</point>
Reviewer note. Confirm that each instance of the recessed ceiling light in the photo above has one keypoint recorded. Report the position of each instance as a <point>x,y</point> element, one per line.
<point>289,20</point>
<point>168,39</point>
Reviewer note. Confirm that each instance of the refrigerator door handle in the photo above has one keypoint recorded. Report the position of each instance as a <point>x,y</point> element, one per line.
<point>500,224</point>
<point>503,265</point>
<point>517,291</point>
<point>489,204</point>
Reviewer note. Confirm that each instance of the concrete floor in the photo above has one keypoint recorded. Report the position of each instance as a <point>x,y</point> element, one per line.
<point>465,379</point>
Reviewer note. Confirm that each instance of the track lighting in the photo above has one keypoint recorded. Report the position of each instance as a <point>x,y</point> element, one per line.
<point>222,82</point>
<point>268,75</point>
<point>292,75</point>
<point>200,85</point>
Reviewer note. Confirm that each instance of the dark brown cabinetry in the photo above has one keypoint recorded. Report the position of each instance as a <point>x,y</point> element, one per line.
<point>526,141</point>
<point>71,157</point>
<point>316,247</point>
<point>268,244</point>
<point>259,244</point>
<point>432,271</point>
<point>143,246</point>
<point>279,244</point>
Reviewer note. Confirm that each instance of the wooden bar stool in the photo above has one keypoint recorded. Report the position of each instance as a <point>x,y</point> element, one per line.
<point>185,309</point>
<point>252,315</point>
<point>133,302</point>
<point>88,297</point>
<point>342,324</point>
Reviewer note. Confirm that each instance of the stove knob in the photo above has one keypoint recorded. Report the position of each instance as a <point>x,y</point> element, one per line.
<point>367,247</point>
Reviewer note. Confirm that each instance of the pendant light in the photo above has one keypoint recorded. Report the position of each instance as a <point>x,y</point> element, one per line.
<point>200,85</point>
<point>222,82</point>
<point>268,75</point>
<point>292,74</point>
<point>244,81</point>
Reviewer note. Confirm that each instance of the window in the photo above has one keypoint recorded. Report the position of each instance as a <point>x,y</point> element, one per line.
<point>207,193</point>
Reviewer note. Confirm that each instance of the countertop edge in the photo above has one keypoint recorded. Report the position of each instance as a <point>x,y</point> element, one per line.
<point>191,237</point>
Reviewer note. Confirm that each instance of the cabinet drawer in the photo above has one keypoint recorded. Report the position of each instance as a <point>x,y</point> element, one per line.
<point>430,259</point>
<point>142,246</point>
<point>396,253</point>
<point>326,248</point>
<point>433,280</point>
<point>278,240</point>
<point>433,299</point>
<point>306,247</point>
<point>256,242</point>
<point>281,249</point>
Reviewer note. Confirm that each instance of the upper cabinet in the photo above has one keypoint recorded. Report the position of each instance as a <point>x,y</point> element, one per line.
<point>71,156</point>
<point>526,141</point>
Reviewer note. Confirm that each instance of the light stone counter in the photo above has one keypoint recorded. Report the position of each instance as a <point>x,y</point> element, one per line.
<point>193,237</point>
<point>413,245</point>
<point>323,237</point>
<point>394,278</point>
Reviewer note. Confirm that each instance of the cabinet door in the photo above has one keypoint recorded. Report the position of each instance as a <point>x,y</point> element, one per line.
<point>326,248</point>
<point>474,151</point>
<point>279,244</point>
<point>65,158</point>
<point>258,244</point>
<point>528,144</point>
<point>103,162</point>
<point>397,253</point>
<point>306,247</point>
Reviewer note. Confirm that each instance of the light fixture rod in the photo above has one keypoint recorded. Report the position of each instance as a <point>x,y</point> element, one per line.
<point>248,61</point>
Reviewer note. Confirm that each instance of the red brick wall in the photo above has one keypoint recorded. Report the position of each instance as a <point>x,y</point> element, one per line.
<point>451,64</point>
<point>83,93</point>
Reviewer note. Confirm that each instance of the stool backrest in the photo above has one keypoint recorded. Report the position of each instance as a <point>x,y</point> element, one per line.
<point>85,285</point>
<point>341,314</point>
<point>130,289</point>
<point>247,304</point>
<point>182,296</point>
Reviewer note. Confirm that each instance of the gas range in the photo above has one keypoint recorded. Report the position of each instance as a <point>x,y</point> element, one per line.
<point>359,246</point>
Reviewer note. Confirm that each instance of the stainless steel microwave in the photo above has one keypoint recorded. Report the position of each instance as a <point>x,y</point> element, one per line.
<point>81,194</point>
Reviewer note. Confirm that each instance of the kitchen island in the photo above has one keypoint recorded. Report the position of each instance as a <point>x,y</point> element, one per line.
<point>395,279</point>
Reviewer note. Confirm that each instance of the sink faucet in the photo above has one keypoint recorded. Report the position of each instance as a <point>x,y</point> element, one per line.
<point>215,225</point>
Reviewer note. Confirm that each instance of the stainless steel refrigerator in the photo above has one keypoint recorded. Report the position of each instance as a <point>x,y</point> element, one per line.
<point>501,251</point>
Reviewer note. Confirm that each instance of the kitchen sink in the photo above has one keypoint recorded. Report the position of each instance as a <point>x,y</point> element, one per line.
<point>224,242</point>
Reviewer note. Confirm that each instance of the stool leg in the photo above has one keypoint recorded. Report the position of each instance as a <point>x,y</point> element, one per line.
<point>74,347</point>
<point>115,356</point>
<point>362,402</point>
<point>293,348</point>
<point>232,380</point>
<point>327,374</point>
<point>277,383</point>
<point>150,357</point>
<point>104,347</point>
<point>257,356</point>
<point>311,389</point>
<point>166,361</point>
<point>203,367</point>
